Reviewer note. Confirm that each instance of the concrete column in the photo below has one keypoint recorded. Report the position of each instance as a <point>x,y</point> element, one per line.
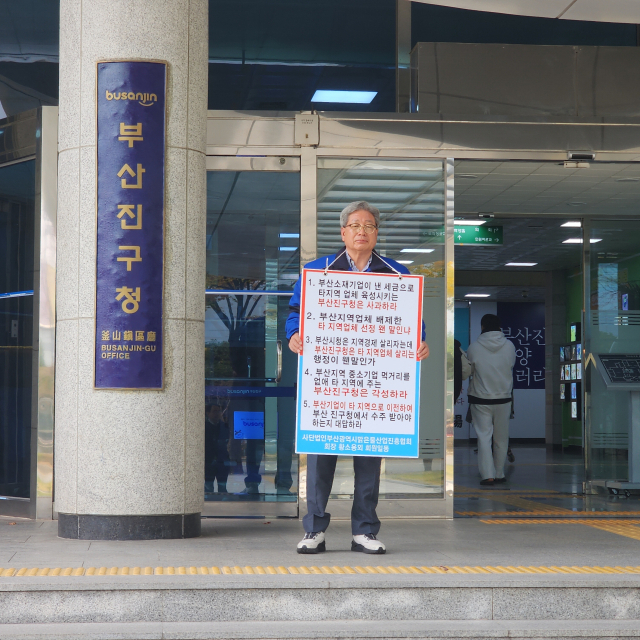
<point>129,464</point>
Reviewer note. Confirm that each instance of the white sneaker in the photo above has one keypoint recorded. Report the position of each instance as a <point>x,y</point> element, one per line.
<point>312,543</point>
<point>367,543</point>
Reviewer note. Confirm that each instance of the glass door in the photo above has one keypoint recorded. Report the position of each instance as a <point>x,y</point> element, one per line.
<point>415,199</point>
<point>28,201</point>
<point>611,340</point>
<point>253,262</point>
<point>17,219</point>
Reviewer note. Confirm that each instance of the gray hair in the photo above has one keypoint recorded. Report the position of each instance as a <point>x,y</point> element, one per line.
<point>359,205</point>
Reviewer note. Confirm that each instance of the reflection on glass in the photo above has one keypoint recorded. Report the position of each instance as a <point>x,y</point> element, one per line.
<point>613,326</point>
<point>17,210</point>
<point>410,196</point>
<point>253,261</point>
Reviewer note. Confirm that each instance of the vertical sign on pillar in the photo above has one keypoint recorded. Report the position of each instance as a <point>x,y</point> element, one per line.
<point>131,117</point>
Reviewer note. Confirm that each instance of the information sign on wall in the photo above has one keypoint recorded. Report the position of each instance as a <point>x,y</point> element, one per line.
<point>479,236</point>
<point>131,109</point>
<point>524,324</point>
<point>482,235</point>
<point>358,376</point>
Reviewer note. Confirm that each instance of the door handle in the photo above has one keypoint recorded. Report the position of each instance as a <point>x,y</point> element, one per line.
<point>279,360</point>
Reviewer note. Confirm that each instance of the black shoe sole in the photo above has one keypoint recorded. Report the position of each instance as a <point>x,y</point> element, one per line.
<point>321,548</point>
<point>361,548</point>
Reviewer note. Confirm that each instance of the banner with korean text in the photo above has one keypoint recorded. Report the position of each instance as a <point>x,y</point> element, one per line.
<point>131,108</point>
<point>358,375</point>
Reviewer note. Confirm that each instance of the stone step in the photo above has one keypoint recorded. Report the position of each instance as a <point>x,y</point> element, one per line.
<point>327,630</point>
<point>314,599</point>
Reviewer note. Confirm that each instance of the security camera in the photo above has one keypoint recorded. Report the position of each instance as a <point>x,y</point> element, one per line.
<point>525,293</point>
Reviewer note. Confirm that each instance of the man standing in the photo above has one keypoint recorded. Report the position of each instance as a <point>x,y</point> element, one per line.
<point>492,357</point>
<point>360,222</point>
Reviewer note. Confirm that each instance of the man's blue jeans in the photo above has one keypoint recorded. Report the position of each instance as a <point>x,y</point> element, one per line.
<point>320,472</point>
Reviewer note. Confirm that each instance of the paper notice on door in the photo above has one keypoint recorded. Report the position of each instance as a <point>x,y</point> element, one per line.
<point>248,425</point>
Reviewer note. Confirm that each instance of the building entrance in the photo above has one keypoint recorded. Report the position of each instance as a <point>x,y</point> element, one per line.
<point>254,238</point>
<point>276,183</point>
<point>272,208</point>
<point>565,452</point>
<point>569,434</point>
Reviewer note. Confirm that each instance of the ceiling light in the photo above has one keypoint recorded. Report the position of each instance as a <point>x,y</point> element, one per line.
<point>520,264</point>
<point>627,179</point>
<point>477,295</point>
<point>469,223</point>
<point>289,235</point>
<point>576,204</point>
<point>404,261</point>
<point>466,175</point>
<point>579,240</point>
<point>417,250</point>
<point>572,223</point>
<point>288,248</point>
<point>350,97</point>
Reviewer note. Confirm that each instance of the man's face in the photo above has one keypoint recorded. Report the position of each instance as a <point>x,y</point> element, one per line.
<point>359,240</point>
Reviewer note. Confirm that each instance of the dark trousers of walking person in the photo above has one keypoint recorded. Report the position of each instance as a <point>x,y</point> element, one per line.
<point>320,472</point>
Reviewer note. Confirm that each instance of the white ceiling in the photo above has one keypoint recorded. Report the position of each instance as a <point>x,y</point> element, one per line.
<point>538,188</point>
<point>592,10</point>
<point>544,195</point>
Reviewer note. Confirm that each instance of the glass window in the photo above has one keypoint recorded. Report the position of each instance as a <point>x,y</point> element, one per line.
<point>410,196</point>
<point>17,210</point>
<point>613,327</point>
<point>253,262</point>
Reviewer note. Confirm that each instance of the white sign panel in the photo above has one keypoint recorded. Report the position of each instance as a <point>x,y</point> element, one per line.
<point>358,375</point>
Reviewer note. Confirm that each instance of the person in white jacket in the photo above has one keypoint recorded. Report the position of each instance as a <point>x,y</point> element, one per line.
<point>492,357</point>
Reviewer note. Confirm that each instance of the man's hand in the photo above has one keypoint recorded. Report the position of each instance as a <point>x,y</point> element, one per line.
<point>295,344</point>
<point>423,351</point>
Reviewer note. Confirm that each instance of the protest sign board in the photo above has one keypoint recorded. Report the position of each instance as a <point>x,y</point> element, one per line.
<point>358,375</point>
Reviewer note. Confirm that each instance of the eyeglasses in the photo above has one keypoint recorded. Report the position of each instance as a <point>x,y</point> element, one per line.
<point>367,228</point>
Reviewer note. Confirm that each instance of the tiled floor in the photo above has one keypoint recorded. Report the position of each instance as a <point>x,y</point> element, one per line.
<point>540,483</point>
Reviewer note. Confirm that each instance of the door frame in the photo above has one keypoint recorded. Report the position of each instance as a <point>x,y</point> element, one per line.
<point>33,135</point>
<point>406,136</point>
<point>265,137</point>
<point>250,508</point>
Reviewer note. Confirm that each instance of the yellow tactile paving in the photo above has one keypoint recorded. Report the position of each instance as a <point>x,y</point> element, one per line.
<point>565,514</point>
<point>25,572</point>
<point>627,528</point>
<point>525,506</point>
<point>521,493</point>
<point>587,521</point>
<point>528,505</point>
<point>620,528</point>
